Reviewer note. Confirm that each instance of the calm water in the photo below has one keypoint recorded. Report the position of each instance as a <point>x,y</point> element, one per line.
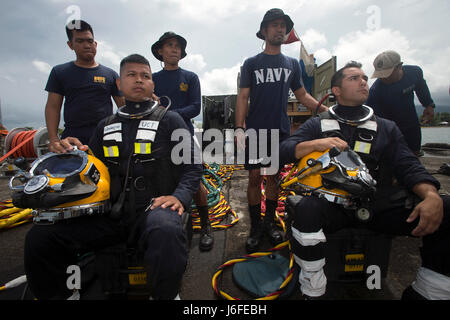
<point>436,135</point>
<point>429,135</point>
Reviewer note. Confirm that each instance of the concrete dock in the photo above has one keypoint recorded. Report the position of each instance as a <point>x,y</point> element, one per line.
<point>230,243</point>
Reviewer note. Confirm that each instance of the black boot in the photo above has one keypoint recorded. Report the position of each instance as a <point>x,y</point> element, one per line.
<point>410,294</point>
<point>255,236</point>
<point>206,237</point>
<point>275,235</point>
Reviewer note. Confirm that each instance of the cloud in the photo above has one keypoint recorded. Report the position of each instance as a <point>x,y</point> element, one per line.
<point>207,11</point>
<point>220,81</point>
<point>193,62</point>
<point>42,66</point>
<point>437,71</point>
<point>107,55</point>
<point>9,78</point>
<point>313,39</point>
<point>322,55</point>
<point>204,11</point>
<point>220,34</point>
<point>364,46</point>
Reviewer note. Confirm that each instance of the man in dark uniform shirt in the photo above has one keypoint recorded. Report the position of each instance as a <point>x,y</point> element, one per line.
<point>183,89</point>
<point>85,85</point>
<point>392,96</point>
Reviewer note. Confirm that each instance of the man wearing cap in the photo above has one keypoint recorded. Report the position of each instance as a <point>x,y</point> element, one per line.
<point>266,79</point>
<point>392,96</point>
<point>183,89</point>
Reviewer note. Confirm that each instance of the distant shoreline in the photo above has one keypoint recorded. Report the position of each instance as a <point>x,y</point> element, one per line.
<point>448,126</point>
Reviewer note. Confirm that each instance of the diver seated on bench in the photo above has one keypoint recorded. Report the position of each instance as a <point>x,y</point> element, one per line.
<point>381,146</point>
<point>149,193</point>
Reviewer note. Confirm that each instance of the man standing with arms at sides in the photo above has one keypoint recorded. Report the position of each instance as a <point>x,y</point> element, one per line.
<point>86,87</point>
<point>183,89</point>
<point>266,79</point>
<point>392,96</point>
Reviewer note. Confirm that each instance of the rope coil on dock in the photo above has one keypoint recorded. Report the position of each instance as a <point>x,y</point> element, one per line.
<point>280,214</point>
<point>214,177</point>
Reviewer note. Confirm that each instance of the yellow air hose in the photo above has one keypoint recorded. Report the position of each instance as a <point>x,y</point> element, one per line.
<point>12,217</point>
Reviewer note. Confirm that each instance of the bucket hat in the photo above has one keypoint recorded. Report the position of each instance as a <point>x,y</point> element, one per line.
<point>168,35</point>
<point>274,14</point>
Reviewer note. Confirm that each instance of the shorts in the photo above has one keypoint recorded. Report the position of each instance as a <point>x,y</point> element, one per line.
<point>262,153</point>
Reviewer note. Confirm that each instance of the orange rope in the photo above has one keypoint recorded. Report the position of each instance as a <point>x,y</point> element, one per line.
<point>21,146</point>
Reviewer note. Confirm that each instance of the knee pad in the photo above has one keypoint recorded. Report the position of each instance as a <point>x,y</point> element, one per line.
<point>432,285</point>
<point>308,239</point>
<point>312,279</point>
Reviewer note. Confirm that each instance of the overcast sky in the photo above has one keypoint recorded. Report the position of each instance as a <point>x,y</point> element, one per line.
<point>220,36</point>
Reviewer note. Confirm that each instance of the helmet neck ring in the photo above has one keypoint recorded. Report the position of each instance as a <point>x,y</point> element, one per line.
<point>353,122</point>
<point>137,110</point>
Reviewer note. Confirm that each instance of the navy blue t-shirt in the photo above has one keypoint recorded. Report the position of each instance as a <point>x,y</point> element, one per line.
<point>87,93</point>
<point>183,88</point>
<point>269,78</point>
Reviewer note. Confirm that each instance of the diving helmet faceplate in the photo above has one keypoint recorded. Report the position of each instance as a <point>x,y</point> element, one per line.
<point>339,177</point>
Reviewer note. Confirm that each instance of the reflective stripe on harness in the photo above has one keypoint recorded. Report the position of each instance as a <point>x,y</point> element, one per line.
<point>362,147</point>
<point>142,148</point>
<point>110,152</point>
<point>366,131</point>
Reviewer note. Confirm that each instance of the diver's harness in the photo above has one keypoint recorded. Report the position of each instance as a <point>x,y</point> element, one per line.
<point>366,134</point>
<point>158,175</point>
<point>345,178</point>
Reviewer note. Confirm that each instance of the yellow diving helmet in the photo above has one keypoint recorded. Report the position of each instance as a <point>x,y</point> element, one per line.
<point>339,177</point>
<point>63,186</point>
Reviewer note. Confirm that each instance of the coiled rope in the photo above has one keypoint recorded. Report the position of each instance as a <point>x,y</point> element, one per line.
<point>214,177</point>
<point>21,145</point>
<point>280,214</point>
<point>270,296</point>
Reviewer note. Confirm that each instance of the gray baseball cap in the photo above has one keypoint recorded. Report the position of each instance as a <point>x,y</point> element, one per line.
<point>385,64</point>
